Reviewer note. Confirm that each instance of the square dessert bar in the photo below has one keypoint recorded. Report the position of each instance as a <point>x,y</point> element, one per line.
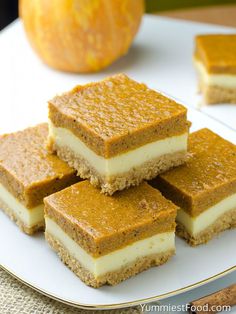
<point>28,173</point>
<point>215,61</point>
<point>117,132</point>
<point>107,239</point>
<point>204,188</point>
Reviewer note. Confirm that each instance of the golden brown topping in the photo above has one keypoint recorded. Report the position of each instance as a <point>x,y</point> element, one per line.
<point>212,163</point>
<point>23,155</point>
<point>117,106</point>
<point>217,52</point>
<point>208,176</point>
<point>143,204</point>
<point>101,215</point>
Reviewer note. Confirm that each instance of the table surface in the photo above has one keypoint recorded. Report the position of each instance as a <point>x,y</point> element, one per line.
<point>219,15</point>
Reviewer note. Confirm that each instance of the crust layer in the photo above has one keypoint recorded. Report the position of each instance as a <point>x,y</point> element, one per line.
<point>110,278</point>
<point>216,94</point>
<point>146,171</point>
<point>19,222</point>
<point>224,222</point>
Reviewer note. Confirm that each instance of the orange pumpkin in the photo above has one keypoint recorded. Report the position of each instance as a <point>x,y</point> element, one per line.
<point>81,35</point>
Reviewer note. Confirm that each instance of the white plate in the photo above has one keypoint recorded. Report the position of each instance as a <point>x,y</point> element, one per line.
<point>31,260</point>
<point>161,57</point>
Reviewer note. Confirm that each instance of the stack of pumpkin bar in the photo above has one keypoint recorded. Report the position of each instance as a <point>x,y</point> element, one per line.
<point>117,133</point>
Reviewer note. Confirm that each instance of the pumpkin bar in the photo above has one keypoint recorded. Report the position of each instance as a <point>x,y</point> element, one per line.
<point>215,61</point>
<point>204,188</point>
<point>107,239</point>
<point>28,173</point>
<point>117,132</point>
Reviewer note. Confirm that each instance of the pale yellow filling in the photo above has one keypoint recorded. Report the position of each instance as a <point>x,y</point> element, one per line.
<point>159,243</point>
<point>195,225</point>
<point>224,80</point>
<point>30,217</point>
<point>123,162</point>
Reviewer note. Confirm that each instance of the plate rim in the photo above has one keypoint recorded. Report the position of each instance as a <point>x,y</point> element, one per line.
<point>121,304</point>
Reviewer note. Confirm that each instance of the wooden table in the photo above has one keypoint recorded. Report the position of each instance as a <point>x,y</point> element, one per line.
<point>220,14</point>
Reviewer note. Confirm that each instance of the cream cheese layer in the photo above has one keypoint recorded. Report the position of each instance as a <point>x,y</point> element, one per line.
<point>223,80</point>
<point>113,261</point>
<point>195,225</point>
<point>123,162</point>
<point>30,217</point>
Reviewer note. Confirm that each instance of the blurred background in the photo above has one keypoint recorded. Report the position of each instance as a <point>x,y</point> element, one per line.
<point>211,11</point>
<point>8,12</point>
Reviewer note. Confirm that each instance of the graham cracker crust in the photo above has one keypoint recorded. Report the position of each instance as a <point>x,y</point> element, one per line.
<point>217,95</point>
<point>26,229</point>
<point>110,278</point>
<point>146,171</point>
<point>224,222</point>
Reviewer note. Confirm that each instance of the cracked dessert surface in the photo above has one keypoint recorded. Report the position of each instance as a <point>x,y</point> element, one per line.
<point>117,132</point>
<point>117,115</point>
<point>107,239</point>
<point>101,224</point>
<point>28,173</point>
<point>204,188</point>
<point>27,170</point>
<point>208,176</point>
